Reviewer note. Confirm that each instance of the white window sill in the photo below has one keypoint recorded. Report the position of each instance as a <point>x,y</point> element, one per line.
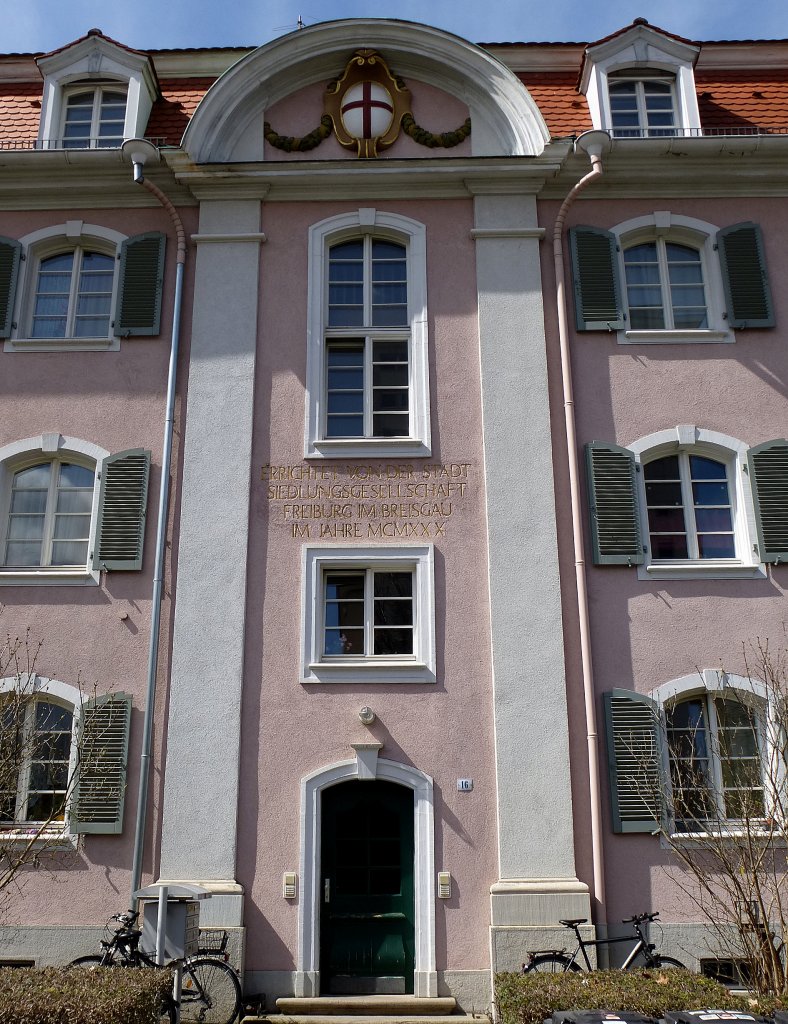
<point>707,569</point>
<point>369,670</point>
<point>62,345</point>
<point>675,337</point>
<point>369,447</point>
<point>691,839</point>
<point>48,577</point>
<point>44,839</point>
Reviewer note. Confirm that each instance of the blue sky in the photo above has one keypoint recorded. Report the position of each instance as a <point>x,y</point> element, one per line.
<point>41,25</point>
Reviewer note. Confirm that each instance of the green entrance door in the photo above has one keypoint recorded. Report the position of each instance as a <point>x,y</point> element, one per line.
<point>367,912</point>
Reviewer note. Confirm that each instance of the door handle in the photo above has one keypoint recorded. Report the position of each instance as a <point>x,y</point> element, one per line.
<point>326,890</point>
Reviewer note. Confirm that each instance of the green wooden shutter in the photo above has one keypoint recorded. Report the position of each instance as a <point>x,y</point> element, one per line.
<point>635,753</point>
<point>598,305</point>
<point>768,465</point>
<point>121,517</point>
<point>748,297</point>
<point>102,756</point>
<point>10,256</point>
<point>138,306</point>
<point>614,507</point>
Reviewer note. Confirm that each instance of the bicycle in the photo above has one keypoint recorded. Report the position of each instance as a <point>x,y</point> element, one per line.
<point>558,961</point>
<point>211,989</point>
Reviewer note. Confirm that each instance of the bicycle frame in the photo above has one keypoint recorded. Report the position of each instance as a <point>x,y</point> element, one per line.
<point>582,945</point>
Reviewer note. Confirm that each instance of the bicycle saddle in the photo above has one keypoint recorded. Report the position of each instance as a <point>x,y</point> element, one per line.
<point>571,922</point>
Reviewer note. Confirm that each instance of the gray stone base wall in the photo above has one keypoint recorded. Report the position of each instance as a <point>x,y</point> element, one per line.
<point>49,945</point>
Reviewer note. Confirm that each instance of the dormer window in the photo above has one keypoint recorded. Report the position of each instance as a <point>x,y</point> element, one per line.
<point>640,84</point>
<point>95,118</point>
<point>642,104</point>
<point>96,94</point>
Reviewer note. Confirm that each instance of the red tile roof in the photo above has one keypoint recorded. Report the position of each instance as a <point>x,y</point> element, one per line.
<point>562,106</point>
<point>743,99</point>
<point>170,115</point>
<point>20,110</point>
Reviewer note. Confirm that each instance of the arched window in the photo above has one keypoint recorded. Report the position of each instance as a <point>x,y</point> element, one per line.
<point>642,103</point>
<point>35,740</point>
<point>694,757</point>
<point>63,758</point>
<point>69,509</point>
<point>94,117</point>
<point>367,359</point>
<point>79,286</point>
<point>716,759</point>
<point>664,283</point>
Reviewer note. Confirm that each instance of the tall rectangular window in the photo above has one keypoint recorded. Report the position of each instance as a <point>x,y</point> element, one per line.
<point>367,343</point>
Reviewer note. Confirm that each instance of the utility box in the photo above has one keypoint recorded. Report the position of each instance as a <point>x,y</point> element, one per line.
<point>181,925</point>
<point>182,929</point>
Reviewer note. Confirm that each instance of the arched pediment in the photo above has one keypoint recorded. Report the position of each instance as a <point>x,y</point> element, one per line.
<point>228,124</point>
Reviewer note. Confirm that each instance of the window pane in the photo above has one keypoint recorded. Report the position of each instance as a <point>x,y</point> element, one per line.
<point>393,641</point>
<point>393,584</point>
<point>666,468</point>
<point>389,316</point>
<point>344,426</point>
<point>68,527</point>
<point>707,469</point>
<point>346,402</point>
<point>668,493</point>
<point>714,545</point>
<point>345,587</point>
<point>29,501</point>
<point>25,527</point>
<point>713,520</point>
<point>391,401</point>
<point>666,520</point>
<point>344,641</point>
<point>390,612</point>
<point>666,546</point>
<point>390,425</point>
<point>342,355</point>
<point>390,375</point>
<point>710,493</point>
<point>382,250</point>
<point>20,553</point>
<point>69,552</point>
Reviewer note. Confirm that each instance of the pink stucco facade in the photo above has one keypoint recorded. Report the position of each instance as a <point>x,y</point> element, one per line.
<point>482,721</point>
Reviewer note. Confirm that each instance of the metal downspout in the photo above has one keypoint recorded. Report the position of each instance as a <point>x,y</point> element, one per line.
<point>161,533</point>
<point>594,143</point>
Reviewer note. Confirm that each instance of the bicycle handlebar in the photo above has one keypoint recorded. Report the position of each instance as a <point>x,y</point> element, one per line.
<point>639,918</point>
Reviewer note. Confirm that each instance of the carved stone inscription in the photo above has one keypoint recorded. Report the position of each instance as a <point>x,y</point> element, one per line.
<point>361,501</point>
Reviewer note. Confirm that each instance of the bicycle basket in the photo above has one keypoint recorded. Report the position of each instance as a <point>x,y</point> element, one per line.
<point>213,940</point>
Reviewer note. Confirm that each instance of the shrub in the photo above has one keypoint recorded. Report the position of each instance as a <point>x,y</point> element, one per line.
<point>530,998</point>
<point>56,995</point>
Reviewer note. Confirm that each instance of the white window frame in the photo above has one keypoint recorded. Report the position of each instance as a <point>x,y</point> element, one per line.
<point>707,684</point>
<point>640,78</point>
<point>689,231</point>
<point>637,49</point>
<point>733,453</point>
<point>416,668</point>
<point>49,241</point>
<point>95,60</point>
<point>412,235</point>
<point>31,451</point>
<point>71,698</point>
<point>97,89</point>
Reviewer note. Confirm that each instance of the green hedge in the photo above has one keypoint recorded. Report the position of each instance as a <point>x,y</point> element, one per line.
<point>56,995</point>
<point>530,998</point>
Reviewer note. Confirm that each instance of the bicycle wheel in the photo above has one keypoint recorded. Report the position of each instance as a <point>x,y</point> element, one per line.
<point>211,992</point>
<point>667,963</point>
<point>94,960</point>
<point>550,963</point>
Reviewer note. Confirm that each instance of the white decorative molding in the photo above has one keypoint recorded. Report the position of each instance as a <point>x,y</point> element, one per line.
<point>227,125</point>
<point>367,760</point>
<point>307,975</point>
